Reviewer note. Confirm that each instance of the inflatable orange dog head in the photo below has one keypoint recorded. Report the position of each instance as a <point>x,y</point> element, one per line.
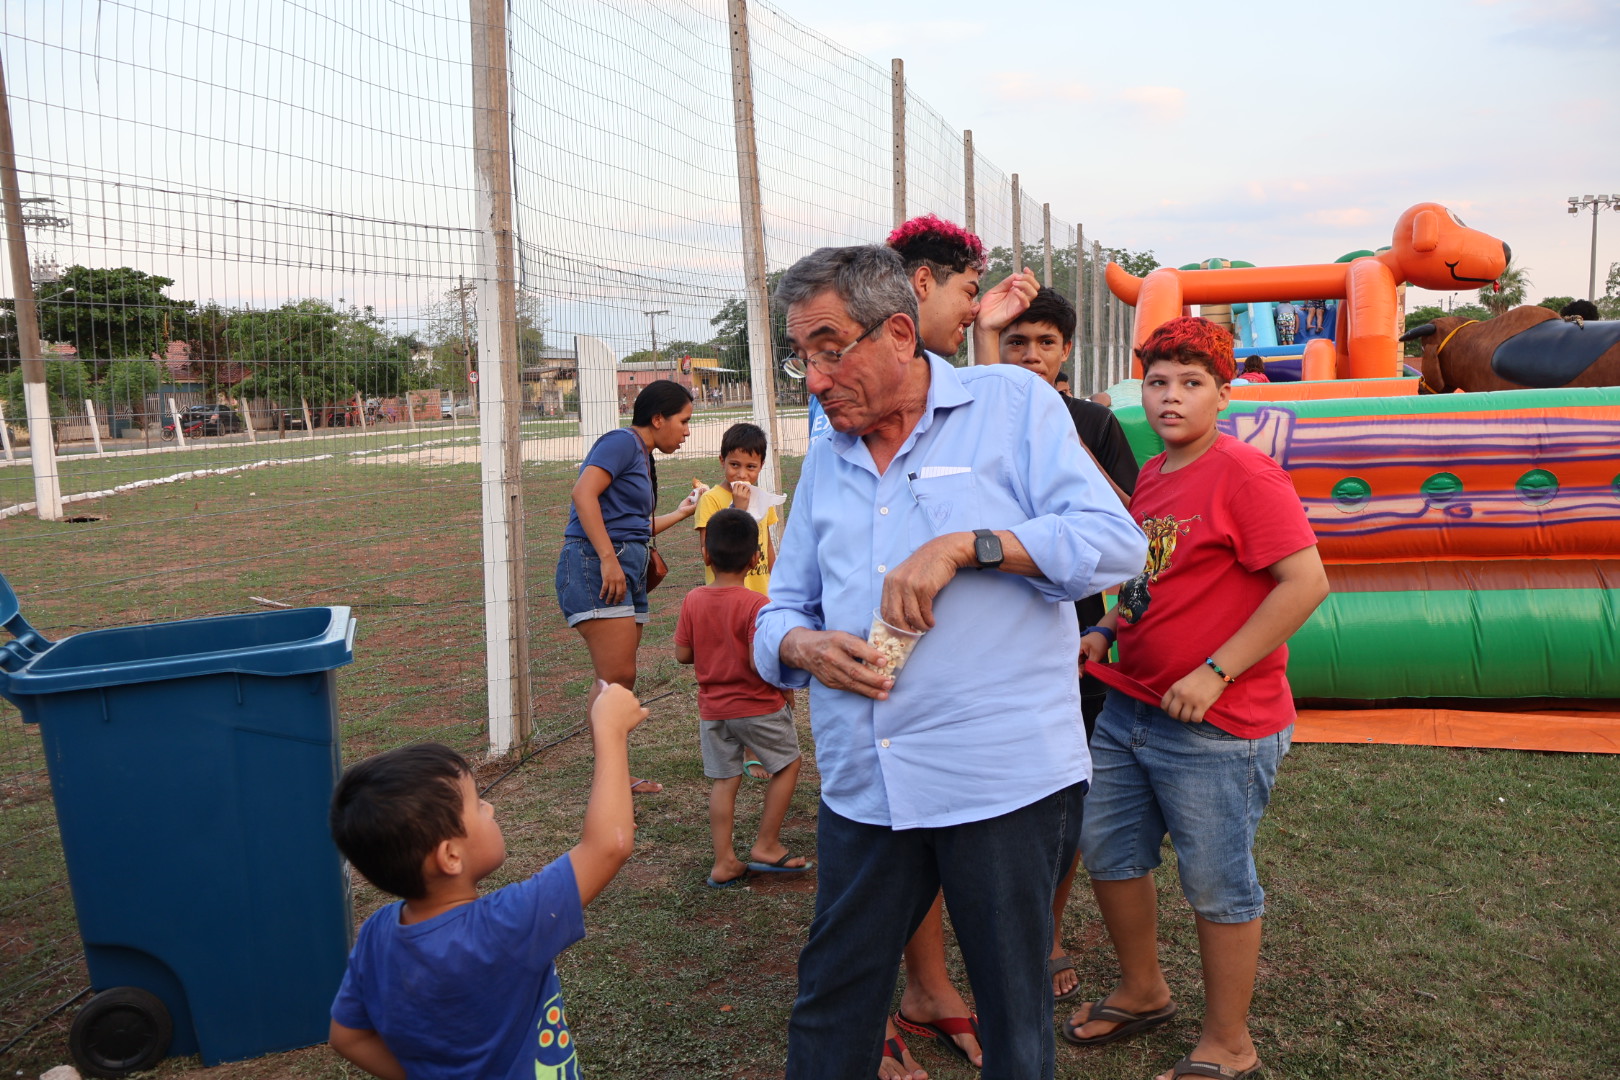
<point>1433,249</point>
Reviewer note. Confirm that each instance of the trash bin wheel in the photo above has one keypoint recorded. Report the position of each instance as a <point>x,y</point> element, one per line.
<point>120,1031</point>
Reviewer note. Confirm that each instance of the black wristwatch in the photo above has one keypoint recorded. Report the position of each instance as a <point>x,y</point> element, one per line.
<point>986,549</point>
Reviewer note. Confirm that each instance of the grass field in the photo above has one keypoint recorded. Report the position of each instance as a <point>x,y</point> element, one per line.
<point>1433,913</point>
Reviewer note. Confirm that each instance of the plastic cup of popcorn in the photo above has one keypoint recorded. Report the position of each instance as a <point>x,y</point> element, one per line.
<point>895,644</point>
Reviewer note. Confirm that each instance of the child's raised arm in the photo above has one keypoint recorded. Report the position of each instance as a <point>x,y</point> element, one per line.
<point>610,822</point>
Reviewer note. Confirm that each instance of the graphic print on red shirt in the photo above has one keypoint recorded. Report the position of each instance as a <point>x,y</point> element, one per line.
<point>1214,528</point>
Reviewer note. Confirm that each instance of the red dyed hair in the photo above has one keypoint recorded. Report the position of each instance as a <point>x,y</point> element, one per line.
<point>943,245</point>
<point>1188,339</point>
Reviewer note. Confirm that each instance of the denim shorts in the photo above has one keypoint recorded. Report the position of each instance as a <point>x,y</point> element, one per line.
<point>1207,789</point>
<point>579,582</point>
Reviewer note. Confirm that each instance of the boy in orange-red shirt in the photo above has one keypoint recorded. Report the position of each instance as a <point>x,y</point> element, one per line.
<point>715,632</point>
<point>1199,711</point>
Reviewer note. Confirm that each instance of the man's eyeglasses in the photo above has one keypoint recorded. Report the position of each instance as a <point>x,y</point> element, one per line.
<point>798,367</point>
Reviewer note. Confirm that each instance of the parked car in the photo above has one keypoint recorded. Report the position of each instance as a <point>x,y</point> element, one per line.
<point>205,420</point>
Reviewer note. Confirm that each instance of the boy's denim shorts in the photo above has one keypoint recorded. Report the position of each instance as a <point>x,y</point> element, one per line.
<point>579,582</point>
<point>1207,789</point>
<point>772,738</point>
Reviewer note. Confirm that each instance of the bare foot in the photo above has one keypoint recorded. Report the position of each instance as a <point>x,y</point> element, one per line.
<point>728,869</point>
<point>906,1068</point>
<point>1119,999</point>
<point>931,1009</point>
<point>1065,980</point>
<point>645,787</point>
<point>771,855</point>
<point>1215,1055</point>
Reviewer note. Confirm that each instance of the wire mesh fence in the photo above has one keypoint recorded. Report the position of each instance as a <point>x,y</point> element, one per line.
<point>264,289</point>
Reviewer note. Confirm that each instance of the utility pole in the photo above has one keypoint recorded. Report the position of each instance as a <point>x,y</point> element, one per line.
<point>652,326</point>
<point>36,398</point>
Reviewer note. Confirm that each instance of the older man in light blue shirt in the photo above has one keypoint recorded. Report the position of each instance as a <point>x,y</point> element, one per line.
<point>960,503</point>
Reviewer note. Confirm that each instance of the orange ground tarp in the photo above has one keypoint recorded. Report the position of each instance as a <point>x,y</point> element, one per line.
<point>1571,732</point>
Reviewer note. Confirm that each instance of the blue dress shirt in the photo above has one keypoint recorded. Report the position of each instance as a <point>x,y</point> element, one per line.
<point>985,716</point>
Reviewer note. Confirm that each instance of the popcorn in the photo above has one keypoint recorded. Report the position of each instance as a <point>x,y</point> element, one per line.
<point>895,644</point>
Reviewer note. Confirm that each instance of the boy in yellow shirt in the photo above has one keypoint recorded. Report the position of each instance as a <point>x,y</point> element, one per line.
<point>742,453</point>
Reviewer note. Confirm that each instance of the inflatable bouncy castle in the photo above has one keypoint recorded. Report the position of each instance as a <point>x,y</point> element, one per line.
<point>1472,542</point>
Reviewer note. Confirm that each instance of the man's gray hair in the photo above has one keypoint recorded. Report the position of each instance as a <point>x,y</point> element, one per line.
<point>870,279</point>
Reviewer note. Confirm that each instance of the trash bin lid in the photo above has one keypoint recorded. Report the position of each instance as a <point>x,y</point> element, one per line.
<point>297,641</point>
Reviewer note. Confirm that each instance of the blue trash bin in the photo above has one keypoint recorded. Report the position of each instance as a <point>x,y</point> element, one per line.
<point>192,764</point>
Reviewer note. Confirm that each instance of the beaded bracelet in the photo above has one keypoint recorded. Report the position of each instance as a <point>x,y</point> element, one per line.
<point>1216,668</point>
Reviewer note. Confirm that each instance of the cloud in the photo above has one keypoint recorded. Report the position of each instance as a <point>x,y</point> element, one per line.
<point>1157,104</point>
<point>1342,217</point>
<point>1023,86</point>
<point>1561,24</point>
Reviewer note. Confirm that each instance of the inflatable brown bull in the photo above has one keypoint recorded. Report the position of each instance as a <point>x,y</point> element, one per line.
<point>1524,347</point>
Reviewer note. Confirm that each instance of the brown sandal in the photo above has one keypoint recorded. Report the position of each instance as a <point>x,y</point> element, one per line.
<point>1130,1023</point>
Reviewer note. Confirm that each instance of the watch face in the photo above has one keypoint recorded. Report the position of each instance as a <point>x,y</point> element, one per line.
<point>987,549</point>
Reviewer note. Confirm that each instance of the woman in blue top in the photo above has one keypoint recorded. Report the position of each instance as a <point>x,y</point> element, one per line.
<point>602,569</point>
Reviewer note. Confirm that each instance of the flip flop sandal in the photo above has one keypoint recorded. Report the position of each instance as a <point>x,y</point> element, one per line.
<point>780,866</point>
<point>1056,964</point>
<point>943,1029</point>
<point>1130,1023</point>
<point>729,883</point>
<point>751,776</point>
<point>634,784</point>
<point>1188,1067</point>
<point>895,1048</point>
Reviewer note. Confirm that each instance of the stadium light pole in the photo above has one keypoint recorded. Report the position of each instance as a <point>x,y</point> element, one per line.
<point>1596,202</point>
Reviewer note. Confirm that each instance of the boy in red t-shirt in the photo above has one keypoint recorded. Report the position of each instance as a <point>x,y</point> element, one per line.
<point>736,707</point>
<point>1199,711</point>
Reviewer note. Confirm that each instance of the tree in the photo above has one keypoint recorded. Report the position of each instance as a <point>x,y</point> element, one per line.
<point>1507,291</point>
<point>450,328</point>
<point>730,341</point>
<point>312,351</point>
<point>67,385</point>
<point>1555,303</point>
<point>1608,304</point>
<point>126,383</point>
<point>1470,311</point>
<point>108,314</point>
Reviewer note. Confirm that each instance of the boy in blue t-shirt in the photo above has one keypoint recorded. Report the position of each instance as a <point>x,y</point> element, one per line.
<point>448,983</point>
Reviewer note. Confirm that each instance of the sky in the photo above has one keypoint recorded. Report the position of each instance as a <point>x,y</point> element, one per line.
<point>1280,133</point>
<point>258,151</point>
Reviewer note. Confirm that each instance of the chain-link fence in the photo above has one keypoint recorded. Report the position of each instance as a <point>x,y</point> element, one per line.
<point>266,275</point>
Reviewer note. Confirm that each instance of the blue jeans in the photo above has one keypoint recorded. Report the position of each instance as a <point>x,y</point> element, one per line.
<point>579,582</point>
<point>874,884</point>
<point>1152,775</point>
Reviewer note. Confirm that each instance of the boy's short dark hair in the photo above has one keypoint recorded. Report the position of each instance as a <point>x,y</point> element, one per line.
<point>391,810</point>
<point>1254,363</point>
<point>941,246</point>
<point>1191,339</point>
<point>745,437</point>
<point>1050,307</point>
<point>731,538</point>
<point>1584,308</point>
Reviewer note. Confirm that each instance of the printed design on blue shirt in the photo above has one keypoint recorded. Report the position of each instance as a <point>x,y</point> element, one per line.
<point>554,1057</point>
<point>1163,534</point>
